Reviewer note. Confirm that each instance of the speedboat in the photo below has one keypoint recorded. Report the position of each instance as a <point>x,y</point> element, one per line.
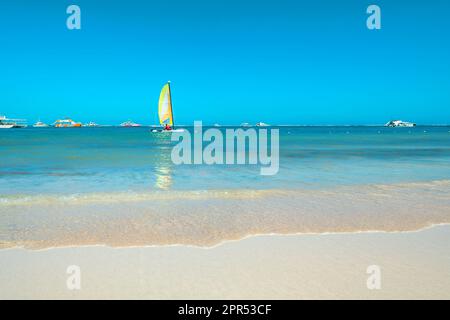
<point>6,123</point>
<point>67,123</point>
<point>399,123</point>
<point>262,124</point>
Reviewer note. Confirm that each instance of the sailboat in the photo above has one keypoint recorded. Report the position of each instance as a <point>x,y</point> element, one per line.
<point>165,111</point>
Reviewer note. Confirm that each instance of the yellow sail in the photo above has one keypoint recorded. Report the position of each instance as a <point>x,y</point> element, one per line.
<point>165,106</point>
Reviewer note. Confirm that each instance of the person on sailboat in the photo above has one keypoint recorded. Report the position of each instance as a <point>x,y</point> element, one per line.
<point>167,127</point>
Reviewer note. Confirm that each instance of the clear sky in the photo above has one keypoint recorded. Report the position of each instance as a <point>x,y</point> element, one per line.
<point>230,61</point>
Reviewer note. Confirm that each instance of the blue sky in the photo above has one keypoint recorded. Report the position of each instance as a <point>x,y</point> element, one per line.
<point>280,61</point>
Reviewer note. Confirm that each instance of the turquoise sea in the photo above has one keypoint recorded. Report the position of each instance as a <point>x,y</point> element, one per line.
<point>80,160</point>
<point>119,187</point>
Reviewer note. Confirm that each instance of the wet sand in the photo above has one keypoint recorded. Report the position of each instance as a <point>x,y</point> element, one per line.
<point>329,266</point>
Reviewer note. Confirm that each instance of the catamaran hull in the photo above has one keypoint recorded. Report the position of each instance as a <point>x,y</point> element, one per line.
<point>6,126</point>
<point>167,131</point>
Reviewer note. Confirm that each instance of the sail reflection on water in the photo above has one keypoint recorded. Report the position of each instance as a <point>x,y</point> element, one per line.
<point>163,177</point>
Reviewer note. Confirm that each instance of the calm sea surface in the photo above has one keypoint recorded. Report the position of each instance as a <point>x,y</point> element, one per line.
<point>73,161</point>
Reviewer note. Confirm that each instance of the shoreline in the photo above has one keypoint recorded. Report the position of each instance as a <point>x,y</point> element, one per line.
<point>225,242</point>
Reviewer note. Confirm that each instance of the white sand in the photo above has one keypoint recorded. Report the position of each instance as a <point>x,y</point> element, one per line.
<point>413,265</point>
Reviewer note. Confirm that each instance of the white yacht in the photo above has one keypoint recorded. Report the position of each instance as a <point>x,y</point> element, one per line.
<point>129,124</point>
<point>40,124</point>
<point>262,124</point>
<point>91,125</point>
<point>399,123</point>
<point>6,123</point>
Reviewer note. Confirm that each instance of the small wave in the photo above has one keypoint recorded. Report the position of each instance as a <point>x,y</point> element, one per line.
<point>23,199</point>
<point>209,217</point>
<point>136,196</point>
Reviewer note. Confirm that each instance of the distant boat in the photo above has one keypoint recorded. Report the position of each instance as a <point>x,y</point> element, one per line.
<point>129,124</point>
<point>217,125</point>
<point>399,123</point>
<point>245,124</point>
<point>165,111</point>
<point>67,123</point>
<point>91,125</point>
<point>262,124</point>
<point>6,123</point>
<point>40,124</point>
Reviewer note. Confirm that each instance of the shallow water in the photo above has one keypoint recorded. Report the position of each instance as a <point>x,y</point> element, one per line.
<point>72,161</point>
<point>209,218</point>
<point>118,186</point>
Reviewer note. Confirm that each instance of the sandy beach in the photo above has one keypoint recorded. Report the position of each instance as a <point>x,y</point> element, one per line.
<point>226,150</point>
<point>414,265</point>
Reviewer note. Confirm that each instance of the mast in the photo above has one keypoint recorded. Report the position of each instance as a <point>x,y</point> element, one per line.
<point>171,110</point>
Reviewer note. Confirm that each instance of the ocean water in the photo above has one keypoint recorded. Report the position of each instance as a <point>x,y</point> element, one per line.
<point>73,161</point>
<point>119,187</point>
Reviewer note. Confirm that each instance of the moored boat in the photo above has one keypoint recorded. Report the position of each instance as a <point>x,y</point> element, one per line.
<point>40,124</point>
<point>399,123</point>
<point>67,123</point>
<point>129,124</point>
<point>91,125</point>
<point>6,123</point>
